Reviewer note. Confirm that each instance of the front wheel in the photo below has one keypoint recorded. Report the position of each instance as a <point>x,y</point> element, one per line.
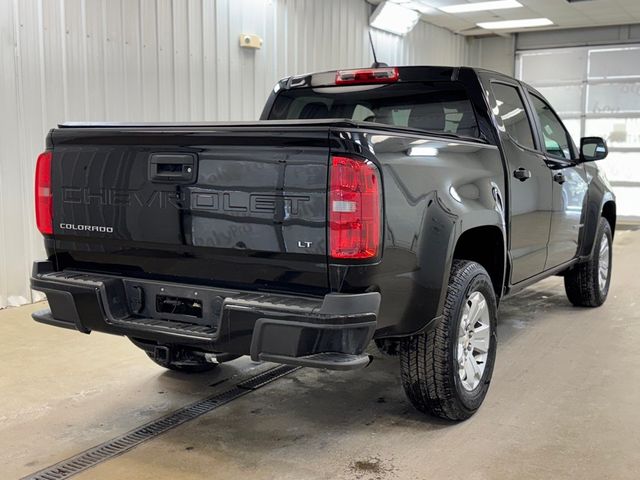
<point>446,372</point>
<point>587,284</point>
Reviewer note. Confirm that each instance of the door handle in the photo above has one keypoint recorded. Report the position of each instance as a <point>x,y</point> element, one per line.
<point>522,174</point>
<point>559,178</point>
<point>172,167</point>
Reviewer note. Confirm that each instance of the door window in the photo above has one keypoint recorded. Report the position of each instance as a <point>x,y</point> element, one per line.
<point>510,109</point>
<point>557,141</point>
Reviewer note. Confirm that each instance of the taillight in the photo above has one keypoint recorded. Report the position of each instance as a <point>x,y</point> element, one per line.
<point>367,75</point>
<point>44,202</point>
<point>355,209</point>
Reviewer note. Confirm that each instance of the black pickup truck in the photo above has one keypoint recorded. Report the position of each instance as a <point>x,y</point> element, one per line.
<point>395,204</point>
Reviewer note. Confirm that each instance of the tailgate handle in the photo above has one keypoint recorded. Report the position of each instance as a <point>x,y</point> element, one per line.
<point>172,167</point>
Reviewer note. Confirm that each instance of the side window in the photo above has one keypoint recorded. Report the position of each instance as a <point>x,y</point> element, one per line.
<point>557,140</point>
<point>510,108</point>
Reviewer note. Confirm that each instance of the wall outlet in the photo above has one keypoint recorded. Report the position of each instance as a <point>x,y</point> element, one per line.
<point>249,40</point>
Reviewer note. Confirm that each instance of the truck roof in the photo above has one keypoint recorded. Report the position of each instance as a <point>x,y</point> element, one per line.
<point>407,73</point>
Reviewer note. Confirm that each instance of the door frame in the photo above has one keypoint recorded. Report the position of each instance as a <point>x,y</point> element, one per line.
<point>486,79</point>
<point>555,162</point>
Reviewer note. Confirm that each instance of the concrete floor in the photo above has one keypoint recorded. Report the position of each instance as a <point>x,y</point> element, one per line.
<point>563,404</point>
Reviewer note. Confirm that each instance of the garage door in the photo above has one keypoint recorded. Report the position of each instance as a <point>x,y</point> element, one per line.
<point>596,91</point>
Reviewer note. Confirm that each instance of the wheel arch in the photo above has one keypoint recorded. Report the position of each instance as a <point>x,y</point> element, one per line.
<point>484,244</point>
<point>609,213</point>
<point>605,208</point>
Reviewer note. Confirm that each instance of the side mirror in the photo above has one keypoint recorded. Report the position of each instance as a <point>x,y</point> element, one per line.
<point>592,148</point>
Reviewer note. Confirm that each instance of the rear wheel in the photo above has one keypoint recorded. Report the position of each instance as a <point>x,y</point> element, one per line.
<point>446,372</point>
<point>174,358</point>
<point>587,284</point>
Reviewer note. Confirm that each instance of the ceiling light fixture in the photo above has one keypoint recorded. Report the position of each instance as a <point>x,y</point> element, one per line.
<point>480,6</point>
<point>514,24</point>
<point>394,18</point>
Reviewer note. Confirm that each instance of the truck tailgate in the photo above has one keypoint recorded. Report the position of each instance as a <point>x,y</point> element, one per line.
<point>234,206</point>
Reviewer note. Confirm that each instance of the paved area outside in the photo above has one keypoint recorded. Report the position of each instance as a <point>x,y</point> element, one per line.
<point>563,404</point>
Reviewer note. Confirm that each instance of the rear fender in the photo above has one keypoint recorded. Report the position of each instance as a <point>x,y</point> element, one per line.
<point>467,224</point>
<point>434,189</point>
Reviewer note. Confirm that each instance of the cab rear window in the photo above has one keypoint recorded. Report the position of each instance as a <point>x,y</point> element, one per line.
<point>440,107</point>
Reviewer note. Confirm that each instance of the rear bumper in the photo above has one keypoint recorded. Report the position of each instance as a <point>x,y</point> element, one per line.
<point>329,332</point>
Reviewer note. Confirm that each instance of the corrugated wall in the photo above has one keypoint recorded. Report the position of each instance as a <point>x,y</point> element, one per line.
<point>161,60</point>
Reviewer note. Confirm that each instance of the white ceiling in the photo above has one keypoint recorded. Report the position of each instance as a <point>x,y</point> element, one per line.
<point>587,13</point>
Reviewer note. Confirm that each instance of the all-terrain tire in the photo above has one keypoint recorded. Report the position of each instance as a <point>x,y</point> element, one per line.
<point>428,361</point>
<point>582,283</point>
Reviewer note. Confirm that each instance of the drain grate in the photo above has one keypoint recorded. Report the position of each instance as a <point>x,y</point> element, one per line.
<point>119,445</point>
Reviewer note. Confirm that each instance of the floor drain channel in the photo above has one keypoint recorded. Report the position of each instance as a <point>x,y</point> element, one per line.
<point>116,446</point>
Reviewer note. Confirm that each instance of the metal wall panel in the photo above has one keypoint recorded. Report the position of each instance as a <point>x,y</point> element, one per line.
<point>161,60</point>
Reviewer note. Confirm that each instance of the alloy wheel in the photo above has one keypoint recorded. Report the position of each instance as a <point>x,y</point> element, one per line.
<point>603,263</point>
<point>474,334</point>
